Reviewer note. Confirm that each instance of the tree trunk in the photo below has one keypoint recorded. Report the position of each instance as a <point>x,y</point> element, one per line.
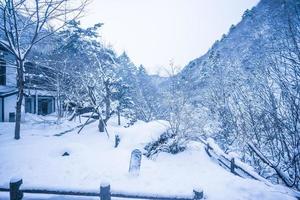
<point>107,111</point>
<point>58,102</point>
<point>107,102</point>
<point>119,117</point>
<point>20,85</point>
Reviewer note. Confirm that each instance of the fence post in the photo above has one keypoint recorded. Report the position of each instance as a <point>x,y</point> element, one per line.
<point>198,194</point>
<point>207,148</point>
<point>105,191</point>
<point>101,125</point>
<point>232,165</point>
<point>14,189</point>
<point>135,162</point>
<point>117,140</point>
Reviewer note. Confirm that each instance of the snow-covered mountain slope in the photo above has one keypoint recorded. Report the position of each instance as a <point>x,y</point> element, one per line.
<point>37,158</point>
<point>244,49</point>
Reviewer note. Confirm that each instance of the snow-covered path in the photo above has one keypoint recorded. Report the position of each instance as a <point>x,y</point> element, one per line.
<point>93,159</point>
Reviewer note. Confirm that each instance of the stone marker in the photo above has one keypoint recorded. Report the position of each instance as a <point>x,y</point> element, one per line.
<point>135,162</point>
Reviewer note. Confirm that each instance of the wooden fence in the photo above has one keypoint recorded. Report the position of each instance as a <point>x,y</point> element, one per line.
<point>16,192</point>
<point>232,165</point>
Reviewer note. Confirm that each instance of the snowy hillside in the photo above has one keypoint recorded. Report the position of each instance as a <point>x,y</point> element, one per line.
<point>249,82</point>
<point>37,158</point>
<point>243,50</point>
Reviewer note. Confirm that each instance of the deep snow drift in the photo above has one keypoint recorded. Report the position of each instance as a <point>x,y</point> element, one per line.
<point>37,158</point>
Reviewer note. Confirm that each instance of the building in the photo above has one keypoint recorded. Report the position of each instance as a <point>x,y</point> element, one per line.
<point>37,99</point>
<point>41,102</point>
<point>8,98</point>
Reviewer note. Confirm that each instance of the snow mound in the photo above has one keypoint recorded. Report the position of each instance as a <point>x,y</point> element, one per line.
<point>94,160</point>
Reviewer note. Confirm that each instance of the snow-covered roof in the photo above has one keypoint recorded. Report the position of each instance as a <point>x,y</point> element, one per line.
<point>7,90</point>
<point>39,92</point>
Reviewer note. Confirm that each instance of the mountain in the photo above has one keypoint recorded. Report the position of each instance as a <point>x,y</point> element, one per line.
<point>245,48</point>
<point>249,81</point>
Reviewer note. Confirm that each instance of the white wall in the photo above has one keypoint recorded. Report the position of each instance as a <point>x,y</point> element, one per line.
<point>11,72</point>
<point>1,110</point>
<point>11,76</point>
<point>10,106</point>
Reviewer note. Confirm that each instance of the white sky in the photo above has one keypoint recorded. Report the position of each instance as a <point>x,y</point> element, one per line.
<point>153,32</point>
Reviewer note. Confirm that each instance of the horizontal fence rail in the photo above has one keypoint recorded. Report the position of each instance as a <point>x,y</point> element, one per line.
<point>140,196</point>
<point>234,167</point>
<point>16,192</point>
<point>230,164</point>
<point>60,192</point>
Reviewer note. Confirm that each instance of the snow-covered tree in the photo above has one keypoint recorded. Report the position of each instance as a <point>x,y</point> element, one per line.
<point>25,23</point>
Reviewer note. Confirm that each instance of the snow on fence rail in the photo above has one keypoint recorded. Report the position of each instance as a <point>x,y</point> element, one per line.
<point>105,193</point>
<point>235,166</point>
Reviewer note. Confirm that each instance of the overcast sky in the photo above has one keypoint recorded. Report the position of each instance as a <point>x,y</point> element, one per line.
<point>153,32</point>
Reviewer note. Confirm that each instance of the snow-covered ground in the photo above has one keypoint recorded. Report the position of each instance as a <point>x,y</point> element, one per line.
<point>37,158</point>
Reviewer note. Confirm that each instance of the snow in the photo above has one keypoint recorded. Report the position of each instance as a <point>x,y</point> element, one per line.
<point>222,155</point>
<point>93,160</point>
<point>15,179</point>
<point>39,92</point>
<point>216,148</point>
<point>4,90</point>
<point>104,184</point>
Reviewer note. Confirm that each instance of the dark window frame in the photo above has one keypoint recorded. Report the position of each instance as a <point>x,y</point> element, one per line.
<point>12,117</point>
<point>2,72</point>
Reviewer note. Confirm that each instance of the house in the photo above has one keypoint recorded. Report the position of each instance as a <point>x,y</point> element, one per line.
<point>42,102</point>
<point>8,90</point>
<point>38,99</point>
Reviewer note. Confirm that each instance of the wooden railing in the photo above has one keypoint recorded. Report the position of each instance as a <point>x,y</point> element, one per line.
<point>232,165</point>
<point>16,192</point>
<point>238,168</point>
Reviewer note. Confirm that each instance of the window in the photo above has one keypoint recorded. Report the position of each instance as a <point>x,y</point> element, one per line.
<point>2,72</point>
<point>12,117</point>
<point>45,105</point>
<point>28,107</point>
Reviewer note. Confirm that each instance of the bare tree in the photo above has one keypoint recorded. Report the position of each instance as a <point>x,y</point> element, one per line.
<point>25,23</point>
<point>185,118</point>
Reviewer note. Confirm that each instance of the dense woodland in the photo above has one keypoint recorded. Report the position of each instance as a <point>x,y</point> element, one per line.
<point>244,92</point>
